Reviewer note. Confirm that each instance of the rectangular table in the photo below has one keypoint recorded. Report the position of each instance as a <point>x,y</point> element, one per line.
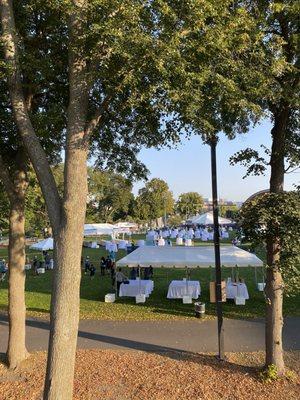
<point>135,287</point>
<point>178,289</point>
<point>236,290</point>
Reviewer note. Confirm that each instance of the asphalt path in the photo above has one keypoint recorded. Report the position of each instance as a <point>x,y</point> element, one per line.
<point>160,336</point>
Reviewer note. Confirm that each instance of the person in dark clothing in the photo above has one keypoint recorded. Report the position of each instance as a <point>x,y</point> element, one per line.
<point>102,265</point>
<point>146,273</point>
<point>132,274</point>
<point>87,264</point>
<point>35,265</point>
<point>108,263</point>
<point>92,271</point>
<point>150,272</point>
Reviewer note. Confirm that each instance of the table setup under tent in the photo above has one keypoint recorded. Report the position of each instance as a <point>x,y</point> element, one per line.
<point>189,258</point>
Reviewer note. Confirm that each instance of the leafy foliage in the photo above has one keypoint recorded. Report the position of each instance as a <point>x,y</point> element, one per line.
<point>277,215</point>
<point>154,200</point>
<point>110,196</point>
<point>189,203</point>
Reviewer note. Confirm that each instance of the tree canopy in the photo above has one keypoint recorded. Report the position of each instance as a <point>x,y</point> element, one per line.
<point>154,200</point>
<point>189,204</point>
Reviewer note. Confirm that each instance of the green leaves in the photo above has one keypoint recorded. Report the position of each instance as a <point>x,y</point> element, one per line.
<point>154,200</point>
<point>189,204</point>
<point>276,215</point>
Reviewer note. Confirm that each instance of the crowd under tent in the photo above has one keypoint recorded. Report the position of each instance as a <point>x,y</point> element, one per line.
<point>43,245</point>
<point>208,219</point>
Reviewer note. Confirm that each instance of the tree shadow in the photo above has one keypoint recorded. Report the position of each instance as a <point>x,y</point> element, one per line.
<point>165,351</point>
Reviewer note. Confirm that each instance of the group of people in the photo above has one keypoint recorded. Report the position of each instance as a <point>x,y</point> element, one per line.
<point>107,265</point>
<point>46,262</point>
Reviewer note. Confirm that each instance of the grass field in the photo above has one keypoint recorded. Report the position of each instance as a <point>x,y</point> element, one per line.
<point>157,306</point>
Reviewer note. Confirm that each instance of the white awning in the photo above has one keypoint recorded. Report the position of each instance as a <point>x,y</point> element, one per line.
<point>192,257</point>
<point>98,229</point>
<point>208,219</point>
<point>43,245</point>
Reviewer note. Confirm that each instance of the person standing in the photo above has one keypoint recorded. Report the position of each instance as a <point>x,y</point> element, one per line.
<point>102,265</point>
<point>87,264</point>
<point>120,277</point>
<point>92,271</point>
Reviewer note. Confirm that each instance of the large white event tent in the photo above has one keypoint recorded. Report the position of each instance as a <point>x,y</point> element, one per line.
<point>191,257</point>
<point>208,219</point>
<point>43,245</point>
<point>98,229</point>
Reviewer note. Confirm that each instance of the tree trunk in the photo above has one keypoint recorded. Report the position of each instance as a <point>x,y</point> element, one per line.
<point>66,286</point>
<point>66,289</point>
<point>274,281</point>
<point>16,351</point>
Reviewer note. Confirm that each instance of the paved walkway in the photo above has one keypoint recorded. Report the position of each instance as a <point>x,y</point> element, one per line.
<point>191,336</point>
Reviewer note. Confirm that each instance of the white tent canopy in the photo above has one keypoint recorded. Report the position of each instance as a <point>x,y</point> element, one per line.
<point>192,257</point>
<point>126,225</point>
<point>98,229</point>
<point>208,219</point>
<point>43,245</point>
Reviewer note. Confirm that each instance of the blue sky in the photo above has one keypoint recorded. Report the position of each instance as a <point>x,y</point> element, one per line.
<point>187,168</point>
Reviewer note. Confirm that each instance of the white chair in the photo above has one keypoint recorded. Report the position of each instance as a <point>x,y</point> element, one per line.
<point>179,241</point>
<point>161,242</point>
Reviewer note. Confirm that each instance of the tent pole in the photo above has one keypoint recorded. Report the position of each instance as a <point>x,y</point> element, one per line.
<point>140,280</point>
<point>213,144</point>
<point>255,272</point>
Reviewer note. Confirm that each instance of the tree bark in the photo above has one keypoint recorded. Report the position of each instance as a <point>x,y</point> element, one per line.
<point>16,351</point>
<point>274,281</point>
<point>15,184</point>
<point>66,289</point>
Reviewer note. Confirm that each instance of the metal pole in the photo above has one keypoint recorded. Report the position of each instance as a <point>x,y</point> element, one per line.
<point>213,143</point>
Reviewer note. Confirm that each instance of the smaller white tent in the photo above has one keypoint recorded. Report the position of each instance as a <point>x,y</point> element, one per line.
<point>43,245</point>
<point>208,219</point>
<point>125,224</point>
<point>98,229</point>
<point>192,257</point>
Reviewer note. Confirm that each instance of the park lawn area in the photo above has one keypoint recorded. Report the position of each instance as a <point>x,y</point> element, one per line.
<point>157,306</point>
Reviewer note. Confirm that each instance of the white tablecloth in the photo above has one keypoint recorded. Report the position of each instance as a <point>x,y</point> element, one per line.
<point>134,287</point>
<point>236,290</point>
<point>178,289</point>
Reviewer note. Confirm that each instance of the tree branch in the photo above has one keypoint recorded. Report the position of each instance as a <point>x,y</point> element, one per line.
<point>5,178</point>
<point>26,130</point>
<point>94,121</point>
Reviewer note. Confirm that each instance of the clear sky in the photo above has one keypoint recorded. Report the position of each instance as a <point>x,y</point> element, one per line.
<point>187,168</point>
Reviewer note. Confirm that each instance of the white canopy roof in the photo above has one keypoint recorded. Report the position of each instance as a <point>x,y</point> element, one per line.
<point>126,225</point>
<point>198,256</point>
<point>43,245</point>
<point>98,229</point>
<point>208,219</point>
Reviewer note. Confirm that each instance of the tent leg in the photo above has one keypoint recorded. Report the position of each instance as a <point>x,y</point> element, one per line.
<point>255,272</point>
<point>140,280</point>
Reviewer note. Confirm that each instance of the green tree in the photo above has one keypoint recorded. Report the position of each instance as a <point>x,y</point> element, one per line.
<point>100,71</point>
<point>154,201</point>
<point>189,204</point>
<point>233,64</point>
<point>109,196</point>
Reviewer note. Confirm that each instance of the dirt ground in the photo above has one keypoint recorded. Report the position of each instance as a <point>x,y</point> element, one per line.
<point>136,375</point>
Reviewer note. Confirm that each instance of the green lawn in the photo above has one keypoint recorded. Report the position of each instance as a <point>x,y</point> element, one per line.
<point>157,306</point>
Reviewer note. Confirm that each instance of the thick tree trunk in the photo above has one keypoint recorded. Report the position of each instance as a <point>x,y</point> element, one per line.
<point>65,303</point>
<point>274,281</point>
<point>16,351</point>
<point>66,288</point>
